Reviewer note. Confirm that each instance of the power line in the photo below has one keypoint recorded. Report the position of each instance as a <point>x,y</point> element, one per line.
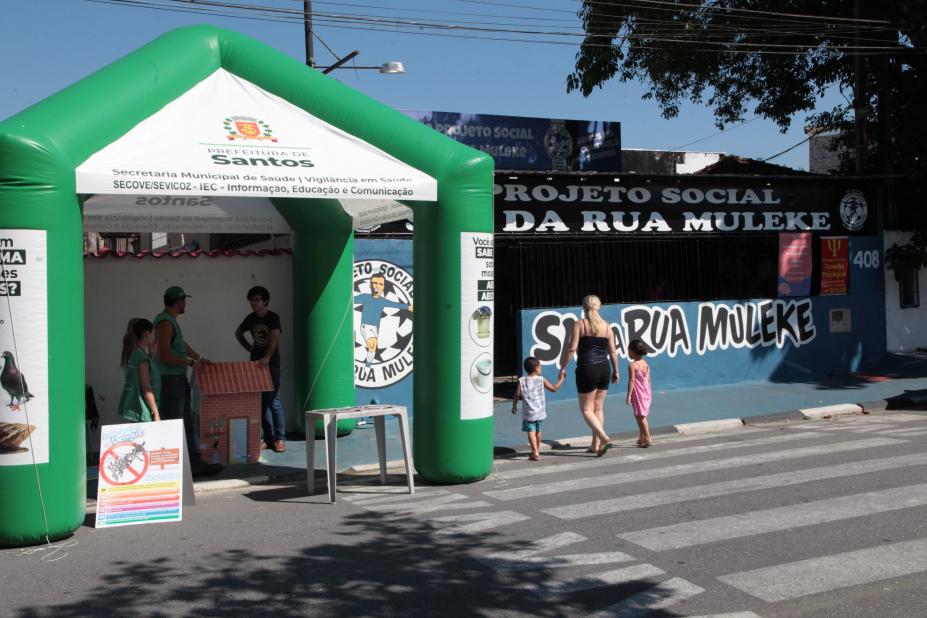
<point>790,148</point>
<point>394,25</point>
<point>725,130</point>
<point>726,9</point>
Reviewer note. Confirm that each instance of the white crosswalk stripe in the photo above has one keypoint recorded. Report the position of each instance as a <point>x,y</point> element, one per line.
<point>390,493</point>
<point>900,430</point>
<point>476,522</point>
<point>557,588</point>
<point>591,463</point>
<point>556,567</point>
<point>440,503</point>
<point>662,596</point>
<point>698,492</point>
<point>729,615</point>
<point>778,519</point>
<point>560,487</point>
<point>798,579</point>
<point>910,433</point>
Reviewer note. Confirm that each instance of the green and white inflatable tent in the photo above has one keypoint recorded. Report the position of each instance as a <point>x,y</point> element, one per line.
<point>205,111</point>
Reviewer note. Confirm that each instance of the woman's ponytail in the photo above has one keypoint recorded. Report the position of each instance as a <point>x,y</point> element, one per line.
<point>591,306</point>
<point>134,331</point>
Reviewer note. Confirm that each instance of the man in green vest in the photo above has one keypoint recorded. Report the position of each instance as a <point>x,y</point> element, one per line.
<point>174,358</point>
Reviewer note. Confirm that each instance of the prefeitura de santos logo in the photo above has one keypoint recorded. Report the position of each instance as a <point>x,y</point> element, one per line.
<point>247,128</point>
<point>382,323</point>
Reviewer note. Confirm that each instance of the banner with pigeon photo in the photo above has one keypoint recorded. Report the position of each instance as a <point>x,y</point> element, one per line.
<point>24,347</point>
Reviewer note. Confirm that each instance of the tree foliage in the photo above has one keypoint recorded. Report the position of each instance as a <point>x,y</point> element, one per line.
<point>773,59</point>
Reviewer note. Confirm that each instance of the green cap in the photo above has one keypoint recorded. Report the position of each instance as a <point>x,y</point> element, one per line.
<point>173,293</point>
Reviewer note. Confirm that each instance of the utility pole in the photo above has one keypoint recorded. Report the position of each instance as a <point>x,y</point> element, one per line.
<point>859,102</point>
<point>307,25</point>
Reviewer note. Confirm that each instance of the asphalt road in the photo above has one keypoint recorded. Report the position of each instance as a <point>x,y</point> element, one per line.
<point>815,518</point>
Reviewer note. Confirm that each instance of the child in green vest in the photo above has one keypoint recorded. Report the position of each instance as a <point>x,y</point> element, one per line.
<point>139,400</point>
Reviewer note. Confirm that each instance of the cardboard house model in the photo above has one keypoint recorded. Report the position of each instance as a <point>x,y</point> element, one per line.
<point>230,410</point>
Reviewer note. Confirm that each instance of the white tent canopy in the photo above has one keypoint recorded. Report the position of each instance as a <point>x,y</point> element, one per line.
<point>228,137</point>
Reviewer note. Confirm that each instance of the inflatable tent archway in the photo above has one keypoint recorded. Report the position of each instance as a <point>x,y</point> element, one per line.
<point>55,153</point>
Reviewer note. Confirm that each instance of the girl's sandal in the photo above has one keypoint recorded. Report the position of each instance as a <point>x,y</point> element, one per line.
<point>534,457</point>
<point>592,450</point>
<point>604,449</point>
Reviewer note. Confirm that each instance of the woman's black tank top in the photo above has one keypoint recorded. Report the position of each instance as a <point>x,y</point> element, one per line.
<point>591,350</point>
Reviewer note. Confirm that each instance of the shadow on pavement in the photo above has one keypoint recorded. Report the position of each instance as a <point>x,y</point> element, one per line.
<point>375,564</point>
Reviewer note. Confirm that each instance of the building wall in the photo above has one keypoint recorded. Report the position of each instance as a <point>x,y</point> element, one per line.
<point>821,158</point>
<point>119,289</point>
<point>905,329</point>
<point>809,351</point>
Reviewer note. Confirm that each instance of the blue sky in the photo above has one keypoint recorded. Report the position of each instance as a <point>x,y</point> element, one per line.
<point>47,44</point>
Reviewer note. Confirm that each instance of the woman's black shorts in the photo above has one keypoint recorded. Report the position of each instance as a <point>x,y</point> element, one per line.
<point>592,377</point>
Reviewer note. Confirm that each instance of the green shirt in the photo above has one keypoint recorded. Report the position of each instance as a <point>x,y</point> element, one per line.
<point>178,346</point>
<point>131,405</point>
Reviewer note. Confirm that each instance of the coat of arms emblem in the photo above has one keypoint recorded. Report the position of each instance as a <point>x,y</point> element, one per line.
<point>245,127</point>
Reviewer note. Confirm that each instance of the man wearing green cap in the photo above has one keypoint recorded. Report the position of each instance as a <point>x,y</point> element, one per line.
<point>174,358</point>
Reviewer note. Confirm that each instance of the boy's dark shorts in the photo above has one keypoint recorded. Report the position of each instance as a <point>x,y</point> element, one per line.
<point>530,426</point>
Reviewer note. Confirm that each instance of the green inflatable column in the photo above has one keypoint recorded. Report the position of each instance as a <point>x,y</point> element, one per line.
<point>452,252</point>
<point>323,306</point>
<point>40,214</point>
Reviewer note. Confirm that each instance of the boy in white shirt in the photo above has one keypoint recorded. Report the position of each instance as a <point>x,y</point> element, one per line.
<point>530,391</point>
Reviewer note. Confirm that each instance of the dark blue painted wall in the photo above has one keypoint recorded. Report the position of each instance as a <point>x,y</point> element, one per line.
<point>813,358</point>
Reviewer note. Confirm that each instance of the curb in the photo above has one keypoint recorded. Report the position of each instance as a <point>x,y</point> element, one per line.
<point>205,487</point>
<point>375,467</point>
<point>724,424</point>
<point>830,411</point>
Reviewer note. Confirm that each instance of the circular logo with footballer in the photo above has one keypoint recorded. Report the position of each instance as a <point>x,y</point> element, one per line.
<point>382,323</point>
<point>853,210</point>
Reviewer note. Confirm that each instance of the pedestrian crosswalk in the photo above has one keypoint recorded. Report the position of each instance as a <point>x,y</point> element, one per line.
<point>757,497</point>
<point>841,570</point>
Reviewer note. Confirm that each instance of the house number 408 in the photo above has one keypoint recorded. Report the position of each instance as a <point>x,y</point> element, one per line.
<point>867,259</point>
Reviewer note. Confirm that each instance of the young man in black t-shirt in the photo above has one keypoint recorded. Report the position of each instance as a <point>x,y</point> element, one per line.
<point>264,328</point>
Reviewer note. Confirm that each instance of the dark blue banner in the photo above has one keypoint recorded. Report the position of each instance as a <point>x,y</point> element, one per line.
<point>522,143</point>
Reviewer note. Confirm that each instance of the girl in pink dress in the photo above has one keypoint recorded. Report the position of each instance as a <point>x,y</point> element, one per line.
<point>639,391</point>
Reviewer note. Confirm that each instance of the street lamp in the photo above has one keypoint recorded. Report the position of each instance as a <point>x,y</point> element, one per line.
<point>387,68</point>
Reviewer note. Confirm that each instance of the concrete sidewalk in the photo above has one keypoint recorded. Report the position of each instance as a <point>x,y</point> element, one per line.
<point>749,399</point>
<point>756,402</point>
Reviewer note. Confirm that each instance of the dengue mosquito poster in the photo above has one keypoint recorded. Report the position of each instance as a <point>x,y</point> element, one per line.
<point>144,474</point>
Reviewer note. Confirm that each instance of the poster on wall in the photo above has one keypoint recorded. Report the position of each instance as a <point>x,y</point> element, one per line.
<point>477,292</point>
<point>525,143</point>
<point>794,264</point>
<point>144,474</point>
<point>382,323</point>
<point>835,253</point>
<point>24,422</point>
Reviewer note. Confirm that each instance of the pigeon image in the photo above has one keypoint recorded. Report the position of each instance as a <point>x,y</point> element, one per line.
<point>12,435</point>
<point>14,382</point>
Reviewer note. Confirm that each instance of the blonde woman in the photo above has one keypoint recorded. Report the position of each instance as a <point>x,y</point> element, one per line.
<point>593,343</point>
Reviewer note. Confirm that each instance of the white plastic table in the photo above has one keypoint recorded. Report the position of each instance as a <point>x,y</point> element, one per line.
<point>330,418</point>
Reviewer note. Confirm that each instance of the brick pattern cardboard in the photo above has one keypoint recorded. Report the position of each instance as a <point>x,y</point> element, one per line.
<point>230,391</point>
<point>236,377</point>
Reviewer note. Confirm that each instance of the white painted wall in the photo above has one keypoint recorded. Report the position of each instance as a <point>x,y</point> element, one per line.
<point>905,329</point>
<point>694,161</point>
<point>117,289</point>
